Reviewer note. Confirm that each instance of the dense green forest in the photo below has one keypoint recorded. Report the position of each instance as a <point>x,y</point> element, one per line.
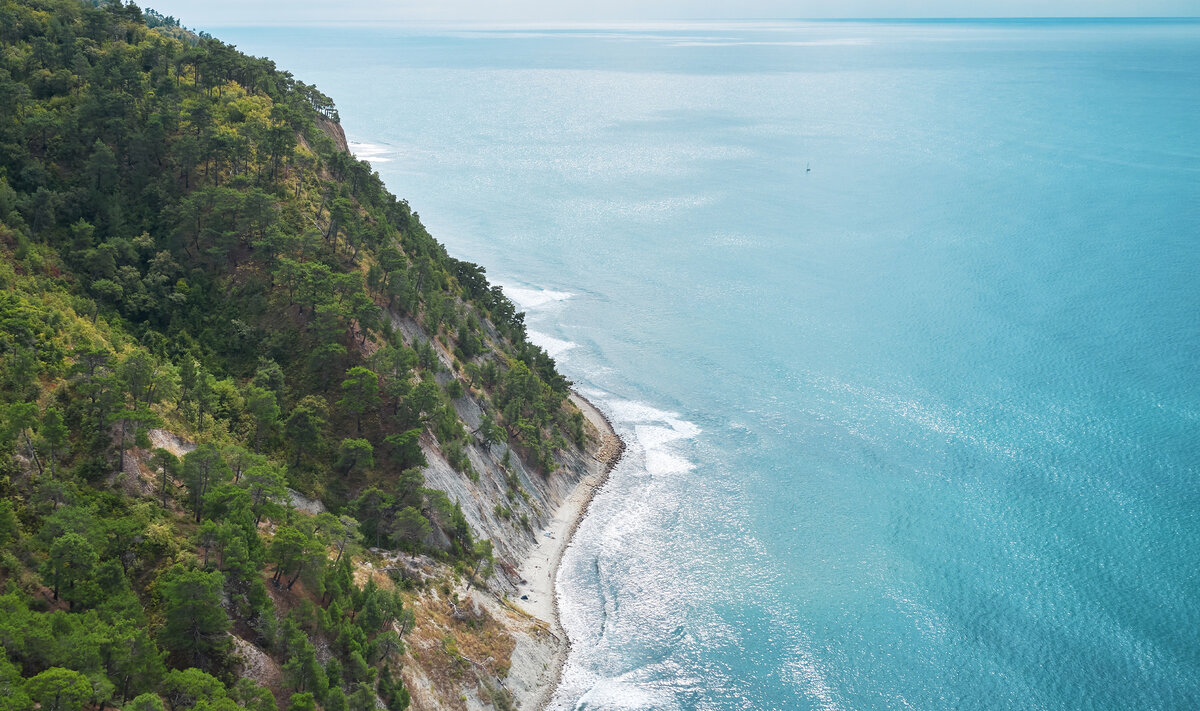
<point>186,254</point>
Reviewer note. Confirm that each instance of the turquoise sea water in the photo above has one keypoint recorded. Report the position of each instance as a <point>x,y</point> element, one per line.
<point>916,429</point>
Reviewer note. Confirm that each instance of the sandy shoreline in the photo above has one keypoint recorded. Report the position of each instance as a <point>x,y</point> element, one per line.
<point>540,567</point>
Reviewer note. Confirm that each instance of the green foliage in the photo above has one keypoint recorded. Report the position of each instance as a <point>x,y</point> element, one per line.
<point>189,688</point>
<point>393,693</point>
<point>9,526</point>
<point>195,621</point>
<point>412,527</point>
<point>482,554</point>
<point>336,700</point>
<point>263,406</point>
<point>355,455</point>
<point>168,466</point>
<point>502,699</point>
<point>53,439</point>
<point>182,246</point>
<point>203,469</point>
<point>491,432</point>
<point>294,552</point>
<point>252,696</point>
<point>360,393</point>
<point>266,484</point>
<point>145,702</point>
<point>377,608</point>
<point>342,531</point>
<point>529,406</point>
<point>305,425</point>
<point>362,698</point>
<point>457,457</point>
<point>70,567</point>
<point>302,672</point>
<point>58,689</point>
<point>396,520</point>
<point>404,448</point>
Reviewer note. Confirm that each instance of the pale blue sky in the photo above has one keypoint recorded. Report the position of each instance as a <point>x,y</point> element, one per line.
<point>214,13</point>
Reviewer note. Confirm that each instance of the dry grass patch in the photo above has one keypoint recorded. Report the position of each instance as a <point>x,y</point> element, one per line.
<point>458,648</point>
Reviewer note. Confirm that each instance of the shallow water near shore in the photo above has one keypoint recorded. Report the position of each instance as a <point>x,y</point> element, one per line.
<point>899,320</point>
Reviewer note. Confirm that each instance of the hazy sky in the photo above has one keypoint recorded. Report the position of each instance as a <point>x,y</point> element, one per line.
<point>213,13</point>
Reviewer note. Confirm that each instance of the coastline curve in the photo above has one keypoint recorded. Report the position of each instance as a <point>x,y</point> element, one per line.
<point>539,570</point>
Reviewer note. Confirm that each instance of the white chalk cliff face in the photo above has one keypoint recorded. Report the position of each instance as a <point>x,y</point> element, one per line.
<point>529,526</point>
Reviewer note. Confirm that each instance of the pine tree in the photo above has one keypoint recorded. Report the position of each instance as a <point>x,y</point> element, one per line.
<point>263,407</point>
<point>203,468</point>
<point>196,622</point>
<point>53,438</point>
<point>304,425</point>
<point>70,565</point>
<point>58,689</point>
<point>360,393</point>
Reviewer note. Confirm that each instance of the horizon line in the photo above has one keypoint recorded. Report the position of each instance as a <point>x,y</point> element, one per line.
<point>571,24</point>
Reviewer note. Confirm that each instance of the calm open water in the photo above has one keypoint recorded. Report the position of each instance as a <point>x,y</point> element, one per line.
<point>917,428</point>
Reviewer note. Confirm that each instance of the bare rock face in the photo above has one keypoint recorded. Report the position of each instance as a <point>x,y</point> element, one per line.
<point>256,664</point>
<point>333,129</point>
<point>305,504</point>
<point>173,443</point>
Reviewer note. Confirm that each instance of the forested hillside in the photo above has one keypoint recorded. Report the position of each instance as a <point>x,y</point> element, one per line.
<point>202,306</point>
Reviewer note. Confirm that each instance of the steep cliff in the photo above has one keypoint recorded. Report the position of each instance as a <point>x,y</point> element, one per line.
<point>265,444</point>
<point>333,129</point>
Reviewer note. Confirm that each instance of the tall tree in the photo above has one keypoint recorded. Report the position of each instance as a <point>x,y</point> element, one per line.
<point>343,534</point>
<point>267,485</point>
<point>293,552</point>
<point>482,553</point>
<point>167,465</point>
<point>360,393</point>
<point>302,671</point>
<point>22,418</point>
<point>203,395</point>
<point>203,468</point>
<point>132,659</point>
<point>12,687</point>
<point>305,424</point>
<point>53,438</point>
<point>263,407</point>
<point>195,621</point>
<point>133,422</point>
<point>71,563</point>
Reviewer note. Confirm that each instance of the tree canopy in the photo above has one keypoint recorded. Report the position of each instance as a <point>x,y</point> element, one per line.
<point>210,314</point>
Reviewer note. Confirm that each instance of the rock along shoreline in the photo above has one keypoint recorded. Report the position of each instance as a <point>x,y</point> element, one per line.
<point>539,570</point>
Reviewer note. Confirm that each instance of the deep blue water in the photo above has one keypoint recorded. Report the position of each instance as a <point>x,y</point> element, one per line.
<point>917,428</point>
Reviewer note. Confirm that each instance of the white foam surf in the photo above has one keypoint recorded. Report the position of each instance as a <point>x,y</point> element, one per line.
<point>619,536</point>
<point>532,298</point>
<point>554,347</point>
<point>655,434</point>
<point>371,152</point>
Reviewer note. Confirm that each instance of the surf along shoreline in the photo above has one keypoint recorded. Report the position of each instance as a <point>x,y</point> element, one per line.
<point>539,570</point>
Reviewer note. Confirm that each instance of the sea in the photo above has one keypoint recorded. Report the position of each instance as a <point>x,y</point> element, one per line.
<point>900,321</point>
